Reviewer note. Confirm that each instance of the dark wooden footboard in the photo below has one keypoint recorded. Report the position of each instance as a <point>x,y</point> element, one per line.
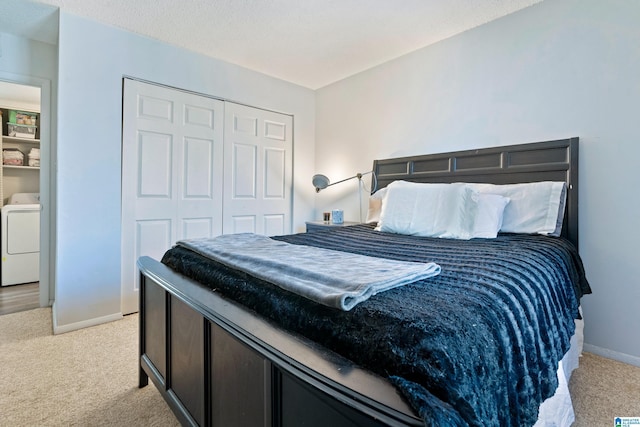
<point>217,364</point>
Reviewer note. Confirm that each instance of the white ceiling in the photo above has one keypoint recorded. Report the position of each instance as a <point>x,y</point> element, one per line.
<point>309,42</point>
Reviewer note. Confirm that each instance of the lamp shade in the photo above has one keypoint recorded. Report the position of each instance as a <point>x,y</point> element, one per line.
<point>320,182</point>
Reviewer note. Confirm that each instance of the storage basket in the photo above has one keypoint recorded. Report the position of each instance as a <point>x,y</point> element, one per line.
<point>23,118</point>
<point>21,131</point>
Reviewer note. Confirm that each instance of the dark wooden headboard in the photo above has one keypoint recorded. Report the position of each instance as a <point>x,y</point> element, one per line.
<point>538,161</point>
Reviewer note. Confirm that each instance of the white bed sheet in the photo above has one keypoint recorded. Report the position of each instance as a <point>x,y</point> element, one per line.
<point>557,411</point>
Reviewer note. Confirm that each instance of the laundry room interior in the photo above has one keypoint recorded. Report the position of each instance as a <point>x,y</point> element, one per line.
<point>19,197</point>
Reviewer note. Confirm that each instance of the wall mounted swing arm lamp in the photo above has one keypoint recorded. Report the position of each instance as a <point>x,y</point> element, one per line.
<point>320,182</point>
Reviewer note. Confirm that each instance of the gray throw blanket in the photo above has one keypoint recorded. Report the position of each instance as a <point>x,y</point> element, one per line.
<point>333,278</point>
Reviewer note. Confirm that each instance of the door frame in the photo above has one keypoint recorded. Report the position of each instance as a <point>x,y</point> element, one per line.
<point>47,183</point>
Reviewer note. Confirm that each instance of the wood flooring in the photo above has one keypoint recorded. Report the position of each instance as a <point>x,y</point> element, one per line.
<point>19,297</point>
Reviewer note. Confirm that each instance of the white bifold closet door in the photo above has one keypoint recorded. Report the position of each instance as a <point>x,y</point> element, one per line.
<point>257,173</point>
<point>172,160</point>
<point>195,166</point>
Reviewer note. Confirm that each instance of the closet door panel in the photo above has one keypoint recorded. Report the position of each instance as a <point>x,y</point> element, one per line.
<point>274,224</point>
<point>198,171</point>
<point>258,147</point>
<point>244,173</point>
<point>275,130</point>
<point>155,164</point>
<point>155,109</point>
<point>196,227</point>
<point>242,224</point>
<point>275,179</point>
<point>172,160</point>
<point>199,116</point>
<point>200,174</point>
<point>151,236</point>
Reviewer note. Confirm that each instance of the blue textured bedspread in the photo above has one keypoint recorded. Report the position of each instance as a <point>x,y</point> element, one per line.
<point>477,345</point>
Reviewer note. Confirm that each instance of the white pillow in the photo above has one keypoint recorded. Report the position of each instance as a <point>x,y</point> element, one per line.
<point>489,215</point>
<point>375,205</point>
<point>560,220</point>
<point>533,208</point>
<point>431,210</point>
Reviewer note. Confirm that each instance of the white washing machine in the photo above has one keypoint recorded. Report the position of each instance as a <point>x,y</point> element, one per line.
<point>20,239</point>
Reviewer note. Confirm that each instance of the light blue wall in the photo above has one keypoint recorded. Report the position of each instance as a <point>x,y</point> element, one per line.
<point>558,69</point>
<point>93,58</point>
<point>27,57</point>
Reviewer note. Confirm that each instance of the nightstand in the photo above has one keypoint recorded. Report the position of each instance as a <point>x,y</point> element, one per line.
<point>322,225</point>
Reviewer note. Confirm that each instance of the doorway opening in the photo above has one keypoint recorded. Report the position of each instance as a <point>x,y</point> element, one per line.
<point>25,146</point>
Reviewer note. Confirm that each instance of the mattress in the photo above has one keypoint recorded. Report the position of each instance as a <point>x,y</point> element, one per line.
<point>486,334</point>
<point>558,409</point>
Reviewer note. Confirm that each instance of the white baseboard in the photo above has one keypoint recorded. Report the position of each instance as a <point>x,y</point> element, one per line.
<point>83,324</point>
<point>610,354</point>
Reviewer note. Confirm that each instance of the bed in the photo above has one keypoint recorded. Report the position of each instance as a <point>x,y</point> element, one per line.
<point>225,348</point>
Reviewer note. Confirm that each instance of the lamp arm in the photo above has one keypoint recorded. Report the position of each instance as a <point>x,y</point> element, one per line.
<point>358,175</point>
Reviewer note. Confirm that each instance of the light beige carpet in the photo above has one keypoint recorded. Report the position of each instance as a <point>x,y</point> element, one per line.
<point>89,378</point>
<point>603,389</point>
<point>82,378</point>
